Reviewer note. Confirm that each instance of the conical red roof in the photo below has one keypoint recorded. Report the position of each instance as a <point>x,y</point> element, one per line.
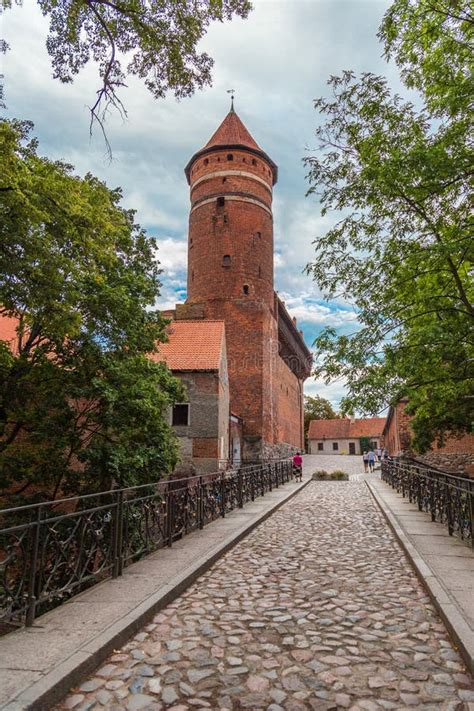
<point>232,132</point>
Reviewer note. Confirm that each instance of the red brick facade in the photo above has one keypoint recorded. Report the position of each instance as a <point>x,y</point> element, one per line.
<point>457,454</point>
<point>230,277</point>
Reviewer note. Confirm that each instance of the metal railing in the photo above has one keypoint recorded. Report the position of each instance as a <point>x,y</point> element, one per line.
<point>53,550</point>
<point>448,498</point>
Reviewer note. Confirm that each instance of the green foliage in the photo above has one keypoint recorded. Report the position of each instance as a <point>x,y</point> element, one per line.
<point>400,181</point>
<point>316,408</point>
<point>365,444</point>
<point>78,392</point>
<point>156,41</point>
<point>432,43</point>
<point>337,475</point>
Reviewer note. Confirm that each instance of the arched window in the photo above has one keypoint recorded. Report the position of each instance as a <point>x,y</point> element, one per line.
<point>226,260</point>
<point>206,161</point>
<point>245,289</point>
<point>220,202</point>
<point>230,156</point>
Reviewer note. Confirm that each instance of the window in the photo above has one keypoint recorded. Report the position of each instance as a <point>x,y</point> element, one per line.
<point>259,272</point>
<point>254,162</point>
<point>230,156</point>
<point>226,219</point>
<point>180,415</point>
<point>320,446</point>
<point>224,179</point>
<point>258,235</point>
<point>245,289</point>
<point>335,446</point>
<point>192,275</point>
<point>190,241</point>
<point>226,260</point>
<point>220,202</point>
<point>206,161</point>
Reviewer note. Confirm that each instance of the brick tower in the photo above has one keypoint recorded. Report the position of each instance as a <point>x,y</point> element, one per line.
<point>230,277</point>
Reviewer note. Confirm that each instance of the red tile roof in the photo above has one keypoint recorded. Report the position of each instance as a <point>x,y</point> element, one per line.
<point>193,345</point>
<point>232,132</point>
<point>345,428</point>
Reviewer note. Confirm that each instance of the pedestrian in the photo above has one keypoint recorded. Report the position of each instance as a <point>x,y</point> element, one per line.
<point>371,458</point>
<point>365,459</point>
<point>298,466</point>
<point>385,454</point>
<point>379,454</point>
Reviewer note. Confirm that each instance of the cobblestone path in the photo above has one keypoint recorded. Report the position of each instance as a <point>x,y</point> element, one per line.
<point>316,609</point>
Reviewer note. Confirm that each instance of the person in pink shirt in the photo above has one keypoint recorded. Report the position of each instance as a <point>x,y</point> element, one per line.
<point>298,466</point>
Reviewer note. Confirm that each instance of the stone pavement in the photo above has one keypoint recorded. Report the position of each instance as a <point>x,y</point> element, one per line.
<point>445,563</point>
<point>317,608</point>
<point>38,664</point>
<point>331,462</point>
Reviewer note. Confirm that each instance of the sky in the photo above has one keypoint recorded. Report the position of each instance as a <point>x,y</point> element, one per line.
<point>278,60</point>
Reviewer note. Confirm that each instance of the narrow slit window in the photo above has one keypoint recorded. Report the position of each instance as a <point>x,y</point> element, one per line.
<point>254,162</point>
<point>230,156</point>
<point>260,272</point>
<point>245,289</point>
<point>226,260</point>
<point>220,202</point>
<point>206,161</point>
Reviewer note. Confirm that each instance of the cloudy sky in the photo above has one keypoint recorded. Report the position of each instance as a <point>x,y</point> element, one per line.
<point>278,60</point>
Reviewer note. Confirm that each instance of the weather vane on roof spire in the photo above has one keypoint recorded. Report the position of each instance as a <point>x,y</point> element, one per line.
<point>232,94</point>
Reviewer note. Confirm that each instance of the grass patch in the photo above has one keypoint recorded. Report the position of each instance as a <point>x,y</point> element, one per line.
<point>321,475</point>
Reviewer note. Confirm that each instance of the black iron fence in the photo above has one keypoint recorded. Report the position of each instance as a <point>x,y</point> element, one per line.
<point>51,551</point>
<point>448,498</point>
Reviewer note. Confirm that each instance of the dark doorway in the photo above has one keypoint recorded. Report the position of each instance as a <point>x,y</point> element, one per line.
<point>352,448</point>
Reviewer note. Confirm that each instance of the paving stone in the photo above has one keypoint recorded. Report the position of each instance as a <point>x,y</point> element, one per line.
<point>317,608</point>
<point>139,701</point>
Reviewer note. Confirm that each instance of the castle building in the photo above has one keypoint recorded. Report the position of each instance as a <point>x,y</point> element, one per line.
<point>230,279</point>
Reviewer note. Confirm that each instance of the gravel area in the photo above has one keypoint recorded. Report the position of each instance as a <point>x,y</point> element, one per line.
<point>316,609</point>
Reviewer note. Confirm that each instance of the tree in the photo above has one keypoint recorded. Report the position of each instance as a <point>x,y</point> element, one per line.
<point>316,408</point>
<point>82,406</point>
<point>403,250</point>
<point>156,41</point>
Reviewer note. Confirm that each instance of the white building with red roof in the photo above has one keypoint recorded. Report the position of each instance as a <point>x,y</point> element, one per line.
<point>343,435</point>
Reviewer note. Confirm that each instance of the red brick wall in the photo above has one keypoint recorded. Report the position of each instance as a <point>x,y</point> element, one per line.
<point>289,390</point>
<point>242,229</point>
<point>457,454</point>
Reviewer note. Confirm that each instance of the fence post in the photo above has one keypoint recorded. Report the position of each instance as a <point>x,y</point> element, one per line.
<point>270,476</point>
<point>252,485</point>
<point>241,491</point>
<point>449,511</point>
<point>470,495</point>
<point>169,516</point>
<point>32,579</point>
<point>222,495</point>
<point>117,534</point>
<point>201,503</point>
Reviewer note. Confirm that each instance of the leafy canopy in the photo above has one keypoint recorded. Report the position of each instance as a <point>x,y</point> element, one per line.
<point>401,182</point>
<point>82,406</point>
<point>316,408</point>
<point>155,40</point>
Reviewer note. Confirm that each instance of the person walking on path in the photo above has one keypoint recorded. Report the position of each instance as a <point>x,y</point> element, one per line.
<point>379,454</point>
<point>365,459</point>
<point>298,466</point>
<point>371,457</point>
